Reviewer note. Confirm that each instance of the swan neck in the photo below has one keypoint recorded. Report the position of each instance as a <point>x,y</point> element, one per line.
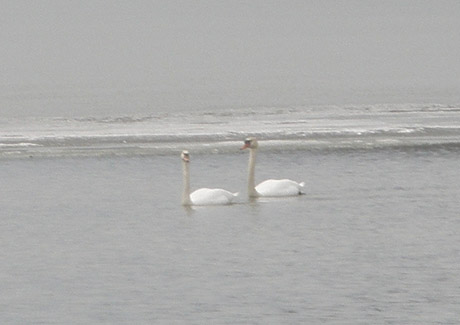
<point>251,173</point>
<point>186,180</point>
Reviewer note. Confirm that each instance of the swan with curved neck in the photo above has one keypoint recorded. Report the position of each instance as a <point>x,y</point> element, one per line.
<point>270,187</point>
<point>202,196</point>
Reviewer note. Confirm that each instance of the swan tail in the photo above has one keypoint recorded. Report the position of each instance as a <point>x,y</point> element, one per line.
<point>301,186</point>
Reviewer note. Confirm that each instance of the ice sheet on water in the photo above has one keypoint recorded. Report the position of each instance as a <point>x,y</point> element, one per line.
<point>221,130</point>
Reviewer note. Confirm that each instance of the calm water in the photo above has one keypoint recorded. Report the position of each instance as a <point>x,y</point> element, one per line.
<point>105,240</point>
<point>360,101</point>
<point>92,230</point>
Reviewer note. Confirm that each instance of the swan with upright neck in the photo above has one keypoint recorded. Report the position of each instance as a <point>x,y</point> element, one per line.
<point>202,196</point>
<point>270,187</point>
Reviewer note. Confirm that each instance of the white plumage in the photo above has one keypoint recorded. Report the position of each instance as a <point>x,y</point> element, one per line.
<point>270,187</point>
<point>279,187</point>
<point>202,196</point>
<point>212,196</point>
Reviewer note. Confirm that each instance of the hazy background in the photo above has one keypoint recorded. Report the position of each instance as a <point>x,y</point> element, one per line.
<point>91,226</point>
<point>137,57</point>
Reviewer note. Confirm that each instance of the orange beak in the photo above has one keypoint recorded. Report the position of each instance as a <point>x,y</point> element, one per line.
<point>246,145</point>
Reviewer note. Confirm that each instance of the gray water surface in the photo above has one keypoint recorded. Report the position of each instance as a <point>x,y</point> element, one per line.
<point>373,240</point>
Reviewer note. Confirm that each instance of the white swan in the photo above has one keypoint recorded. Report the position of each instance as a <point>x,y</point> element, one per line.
<point>202,196</point>
<point>270,187</point>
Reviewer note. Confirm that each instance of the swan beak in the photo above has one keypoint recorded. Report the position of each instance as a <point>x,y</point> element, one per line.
<point>246,145</point>
<point>186,159</point>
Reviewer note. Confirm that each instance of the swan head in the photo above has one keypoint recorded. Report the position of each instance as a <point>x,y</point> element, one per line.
<point>185,155</point>
<point>250,143</point>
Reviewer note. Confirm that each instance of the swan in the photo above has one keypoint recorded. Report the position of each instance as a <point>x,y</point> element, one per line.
<point>202,196</point>
<point>270,187</point>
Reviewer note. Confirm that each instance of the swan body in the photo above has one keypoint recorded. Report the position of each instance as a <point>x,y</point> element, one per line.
<point>202,196</point>
<point>279,187</point>
<point>270,187</point>
<point>212,196</point>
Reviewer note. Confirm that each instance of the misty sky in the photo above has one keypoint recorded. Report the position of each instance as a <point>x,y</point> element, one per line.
<point>196,45</point>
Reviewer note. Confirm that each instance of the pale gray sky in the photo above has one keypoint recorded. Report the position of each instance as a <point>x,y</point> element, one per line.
<point>193,45</point>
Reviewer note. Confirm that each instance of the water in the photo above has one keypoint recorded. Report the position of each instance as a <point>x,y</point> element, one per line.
<point>105,240</point>
<point>204,130</point>
<point>92,230</point>
<point>360,101</point>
